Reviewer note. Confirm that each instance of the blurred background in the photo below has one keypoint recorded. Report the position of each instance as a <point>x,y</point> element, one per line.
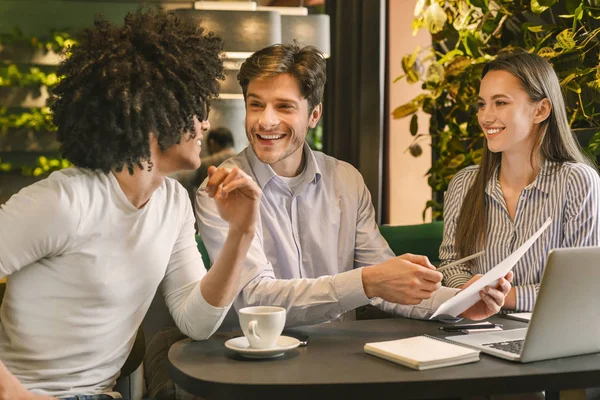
<point>402,79</point>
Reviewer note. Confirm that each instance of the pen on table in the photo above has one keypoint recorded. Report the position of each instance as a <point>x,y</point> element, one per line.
<point>457,328</point>
<point>462,260</point>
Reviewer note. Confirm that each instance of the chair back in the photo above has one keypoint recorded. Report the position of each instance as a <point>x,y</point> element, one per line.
<point>422,239</point>
<point>203,252</point>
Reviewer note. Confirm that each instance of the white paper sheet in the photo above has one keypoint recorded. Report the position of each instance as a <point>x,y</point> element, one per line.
<point>466,298</point>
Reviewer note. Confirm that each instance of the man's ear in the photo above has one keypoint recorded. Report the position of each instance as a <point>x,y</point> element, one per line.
<point>315,115</point>
<point>542,111</point>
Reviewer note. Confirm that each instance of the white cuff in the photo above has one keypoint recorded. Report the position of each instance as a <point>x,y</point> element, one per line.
<point>349,289</point>
<point>442,295</point>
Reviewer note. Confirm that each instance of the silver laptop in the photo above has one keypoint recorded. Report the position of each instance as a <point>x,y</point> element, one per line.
<point>566,318</point>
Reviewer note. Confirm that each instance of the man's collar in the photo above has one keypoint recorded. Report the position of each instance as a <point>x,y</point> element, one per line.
<point>264,172</point>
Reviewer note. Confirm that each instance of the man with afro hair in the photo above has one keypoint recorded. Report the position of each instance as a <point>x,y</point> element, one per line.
<point>85,249</point>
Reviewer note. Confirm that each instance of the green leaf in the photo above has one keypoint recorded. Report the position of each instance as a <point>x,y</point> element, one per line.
<point>434,74</point>
<point>578,14</point>
<point>471,46</point>
<point>547,3</point>
<point>435,18</point>
<point>483,4</point>
<point>489,26</point>
<point>449,56</point>
<point>536,29</point>
<point>476,155</point>
<point>565,40</point>
<point>547,52</point>
<point>536,7</point>
<point>457,161</point>
<point>409,108</point>
<point>414,125</point>
<point>417,24</point>
<point>434,205</point>
<point>568,79</point>
<point>594,13</point>
<point>409,65</point>
<point>458,65</point>
<point>595,85</point>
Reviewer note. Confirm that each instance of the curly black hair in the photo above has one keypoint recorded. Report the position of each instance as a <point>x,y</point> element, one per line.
<point>152,74</point>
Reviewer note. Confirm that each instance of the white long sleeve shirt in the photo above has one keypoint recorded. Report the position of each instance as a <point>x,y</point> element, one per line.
<point>312,242</point>
<point>83,265</point>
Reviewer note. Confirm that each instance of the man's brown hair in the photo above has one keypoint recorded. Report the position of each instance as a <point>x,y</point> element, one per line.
<point>306,65</point>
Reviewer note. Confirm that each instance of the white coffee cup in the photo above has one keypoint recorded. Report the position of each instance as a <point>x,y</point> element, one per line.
<point>262,325</point>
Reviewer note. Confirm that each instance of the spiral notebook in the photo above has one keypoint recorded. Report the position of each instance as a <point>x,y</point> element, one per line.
<point>422,352</point>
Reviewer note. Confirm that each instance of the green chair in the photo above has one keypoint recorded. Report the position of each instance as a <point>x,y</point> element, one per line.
<point>204,252</point>
<point>422,239</point>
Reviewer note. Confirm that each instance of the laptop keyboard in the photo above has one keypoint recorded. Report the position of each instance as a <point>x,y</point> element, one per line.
<point>512,346</point>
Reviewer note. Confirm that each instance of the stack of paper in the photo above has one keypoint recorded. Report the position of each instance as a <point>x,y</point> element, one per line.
<point>469,296</point>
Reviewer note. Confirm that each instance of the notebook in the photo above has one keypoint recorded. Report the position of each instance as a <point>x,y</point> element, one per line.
<point>422,352</point>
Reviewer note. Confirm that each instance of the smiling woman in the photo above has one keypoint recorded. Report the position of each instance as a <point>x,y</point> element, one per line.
<point>507,114</point>
<point>532,169</point>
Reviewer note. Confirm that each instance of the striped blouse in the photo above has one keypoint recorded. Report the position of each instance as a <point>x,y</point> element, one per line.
<point>569,193</point>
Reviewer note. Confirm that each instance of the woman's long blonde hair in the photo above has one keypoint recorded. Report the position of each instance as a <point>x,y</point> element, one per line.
<point>553,140</point>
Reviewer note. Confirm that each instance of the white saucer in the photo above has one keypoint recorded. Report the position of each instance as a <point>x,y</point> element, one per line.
<point>240,345</point>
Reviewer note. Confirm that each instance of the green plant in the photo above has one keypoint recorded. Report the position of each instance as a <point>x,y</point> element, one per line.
<point>46,165</point>
<point>35,119</point>
<point>57,41</point>
<point>469,33</point>
<point>12,75</point>
<point>5,166</point>
<point>27,121</point>
<point>314,137</point>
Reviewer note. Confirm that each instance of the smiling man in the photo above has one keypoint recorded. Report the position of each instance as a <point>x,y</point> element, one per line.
<point>317,251</point>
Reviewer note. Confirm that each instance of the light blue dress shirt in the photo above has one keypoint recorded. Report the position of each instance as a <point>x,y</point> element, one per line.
<point>311,242</point>
<point>569,193</point>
